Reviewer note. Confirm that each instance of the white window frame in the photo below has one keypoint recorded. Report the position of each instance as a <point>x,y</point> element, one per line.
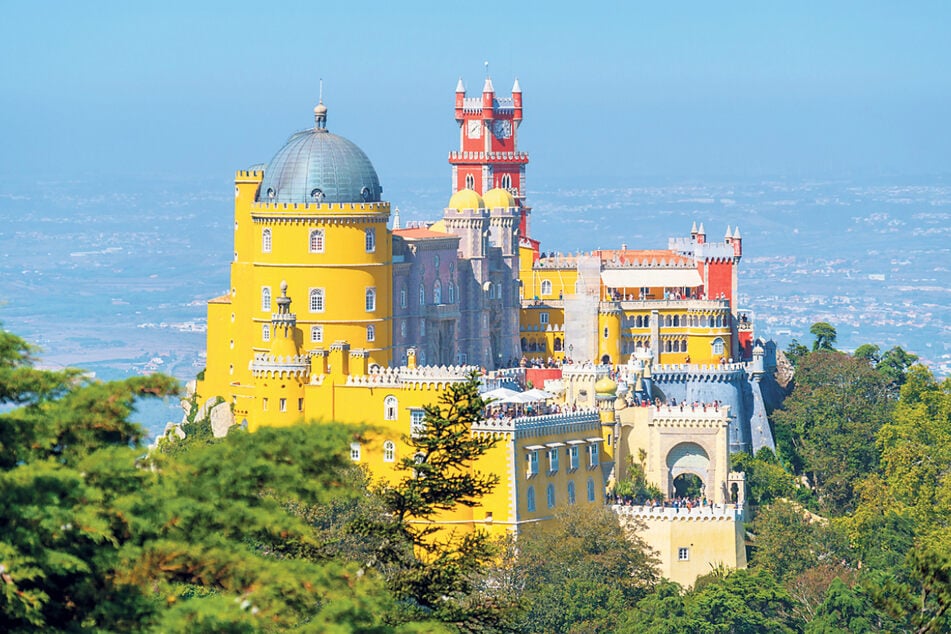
<point>437,292</point>
<point>355,451</point>
<point>316,241</point>
<point>282,404</point>
<point>718,345</point>
<point>371,333</point>
<point>573,457</point>
<point>550,494</point>
<point>417,422</point>
<point>403,329</point>
<point>390,408</point>
<point>316,334</point>
<point>317,300</point>
<point>369,239</point>
<point>531,459</point>
<point>266,299</point>
<point>452,293</point>
<point>553,460</point>
<point>266,332</point>
<point>546,287</point>
<point>403,297</point>
<point>683,554</point>
<point>571,492</point>
<point>594,456</point>
<point>369,299</point>
<point>266,241</point>
<point>389,451</point>
<point>543,319</point>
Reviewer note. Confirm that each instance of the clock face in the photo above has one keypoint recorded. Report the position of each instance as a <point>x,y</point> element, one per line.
<point>503,128</point>
<point>474,129</point>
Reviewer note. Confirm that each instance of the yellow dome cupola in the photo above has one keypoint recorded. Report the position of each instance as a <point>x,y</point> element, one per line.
<point>498,198</point>
<point>466,199</point>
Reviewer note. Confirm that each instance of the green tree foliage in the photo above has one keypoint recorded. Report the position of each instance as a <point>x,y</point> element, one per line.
<point>740,602</point>
<point>635,484</point>
<point>581,572</point>
<point>766,479</point>
<point>790,540</point>
<point>825,335</point>
<point>842,610</point>
<point>447,581</point>
<point>830,422</point>
<point>795,351</point>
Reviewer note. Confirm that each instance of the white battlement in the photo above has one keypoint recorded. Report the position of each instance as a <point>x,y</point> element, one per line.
<point>710,512</point>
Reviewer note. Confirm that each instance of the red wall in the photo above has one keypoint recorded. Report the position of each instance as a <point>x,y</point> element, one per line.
<point>720,280</point>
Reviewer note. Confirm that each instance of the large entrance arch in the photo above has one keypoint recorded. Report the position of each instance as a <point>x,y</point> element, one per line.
<point>687,458</point>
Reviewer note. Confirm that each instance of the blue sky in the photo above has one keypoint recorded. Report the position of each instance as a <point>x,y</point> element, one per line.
<point>614,92</point>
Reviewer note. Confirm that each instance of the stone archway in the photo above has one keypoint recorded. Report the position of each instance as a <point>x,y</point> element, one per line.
<point>687,458</point>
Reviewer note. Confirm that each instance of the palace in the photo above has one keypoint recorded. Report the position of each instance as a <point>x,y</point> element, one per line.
<point>337,313</point>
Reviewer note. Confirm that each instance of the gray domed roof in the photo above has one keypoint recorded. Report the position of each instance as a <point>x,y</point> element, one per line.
<point>317,166</point>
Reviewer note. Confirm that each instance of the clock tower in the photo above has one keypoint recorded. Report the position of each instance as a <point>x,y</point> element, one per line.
<point>488,155</point>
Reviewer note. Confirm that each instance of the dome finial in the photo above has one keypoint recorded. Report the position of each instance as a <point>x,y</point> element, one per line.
<point>320,111</point>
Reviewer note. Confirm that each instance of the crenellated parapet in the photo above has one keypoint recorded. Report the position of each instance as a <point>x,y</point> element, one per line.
<point>684,416</point>
<point>706,513</point>
<point>683,372</point>
<point>267,366</point>
<point>521,427</point>
<point>428,376</point>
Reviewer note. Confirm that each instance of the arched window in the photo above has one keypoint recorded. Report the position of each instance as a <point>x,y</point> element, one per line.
<point>403,329</point>
<point>718,346</point>
<point>571,492</point>
<point>369,303</point>
<point>676,321</point>
<point>266,332</point>
<point>317,241</point>
<point>437,292</point>
<point>316,300</point>
<point>668,347</point>
<point>390,406</point>
<point>370,239</point>
<point>639,321</point>
<point>452,293</point>
<point>719,321</point>
<point>591,489</point>
<point>389,451</point>
<point>316,334</point>
<point>647,321</point>
<point>266,241</point>
<point>546,287</point>
<point>506,181</point>
<point>551,496</point>
<point>371,333</point>
<point>403,297</point>
<point>470,181</point>
<point>422,295</point>
<point>530,499</point>
<point>265,299</point>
